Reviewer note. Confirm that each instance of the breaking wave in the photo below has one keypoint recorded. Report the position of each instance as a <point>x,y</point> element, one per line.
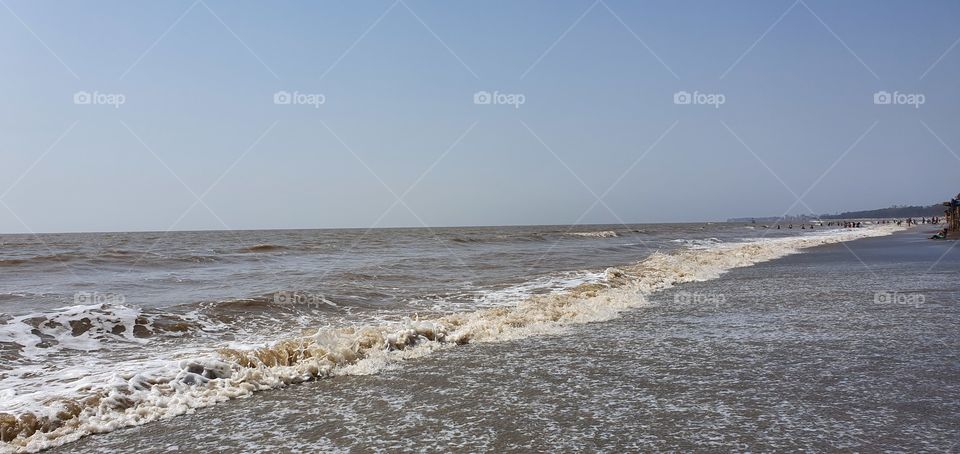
<point>600,234</point>
<point>704,243</point>
<point>170,387</point>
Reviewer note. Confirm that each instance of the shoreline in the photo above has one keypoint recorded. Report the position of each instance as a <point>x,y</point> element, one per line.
<point>687,354</point>
<point>349,352</point>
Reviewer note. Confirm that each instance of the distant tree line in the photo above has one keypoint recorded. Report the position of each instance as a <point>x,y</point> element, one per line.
<point>892,212</point>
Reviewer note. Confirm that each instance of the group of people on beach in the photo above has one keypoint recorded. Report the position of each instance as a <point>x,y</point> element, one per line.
<point>846,225</point>
<point>912,221</point>
<point>802,226</point>
<point>859,224</point>
<point>811,226</point>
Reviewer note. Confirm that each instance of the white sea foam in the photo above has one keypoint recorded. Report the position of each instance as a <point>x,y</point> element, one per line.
<point>545,284</point>
<point>599,234</point>
<point>81,327</point>
<point>139,392</point>
<point>702,243</point>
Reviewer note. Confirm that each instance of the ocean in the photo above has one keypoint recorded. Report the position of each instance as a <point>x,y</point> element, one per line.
<point>646,337</point>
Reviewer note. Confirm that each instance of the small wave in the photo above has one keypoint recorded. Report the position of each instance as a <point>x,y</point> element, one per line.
<point>120,253</point>
<point>10,296</point>
<point>177,387</point>
<point>701,243</point>
<point>120,257</point>
<point>13,262</point>
<point>599,234</point>
<point>278,301</point>
<point>41,259</point>
<point>531,236</point>
<point>264,248</point>
<point>358,276</point>
<point>242,305</point>
<point>466,240</point>
<point>542,285</point>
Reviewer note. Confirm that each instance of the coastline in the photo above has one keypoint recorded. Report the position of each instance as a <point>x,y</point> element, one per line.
<point>810,358</point>
<point>369,350</point>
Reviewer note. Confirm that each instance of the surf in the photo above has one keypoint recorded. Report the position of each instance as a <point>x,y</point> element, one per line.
<point>167,387</point>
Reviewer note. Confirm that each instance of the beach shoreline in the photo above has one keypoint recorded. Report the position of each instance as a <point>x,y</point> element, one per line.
<point>692,271</point>
<point>809,365</point>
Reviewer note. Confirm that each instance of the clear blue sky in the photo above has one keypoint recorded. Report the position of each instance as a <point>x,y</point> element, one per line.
<point>598,81</point>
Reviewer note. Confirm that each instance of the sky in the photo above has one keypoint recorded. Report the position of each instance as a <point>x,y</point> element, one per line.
<point>193,115</point>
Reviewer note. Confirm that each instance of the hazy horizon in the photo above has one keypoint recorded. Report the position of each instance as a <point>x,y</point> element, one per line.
<point>389,227</point>
<point>211,115</point>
